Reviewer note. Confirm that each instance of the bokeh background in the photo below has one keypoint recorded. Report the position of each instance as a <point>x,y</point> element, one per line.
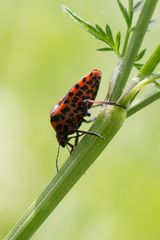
<point>42,54</point>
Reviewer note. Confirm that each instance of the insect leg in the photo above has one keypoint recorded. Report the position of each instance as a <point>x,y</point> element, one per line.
<point>88,114</point>
<point>90,133</point>
<point>71,147</point>
<point>76,139</point>
<point>57,158</point>
<point>79,133</point>
<point>99,103</point>
<point>89,120</point>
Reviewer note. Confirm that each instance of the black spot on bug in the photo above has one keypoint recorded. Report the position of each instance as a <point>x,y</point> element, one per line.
<point>91,74</point>
<point>55,118</point>
<point>70,94</point>
<point>79,93</point>
<point>77,86</point>
<point>84,87</point>
<point>75,99</point>
<point>89,82</point>
<point>84,79</point>
<point>89,91</point>
<point>65,110</point>
<point>59,127</point>
<point>73,105</point>
<point>66,101</point>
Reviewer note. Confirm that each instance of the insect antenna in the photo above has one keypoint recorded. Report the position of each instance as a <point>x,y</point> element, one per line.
<point>57,158</point>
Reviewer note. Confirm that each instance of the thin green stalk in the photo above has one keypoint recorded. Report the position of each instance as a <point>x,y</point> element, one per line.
<point>130,9</point>
<point>107,124</point>
<point>128,31</point>
<point>126,41</point>
<point>127,99</point>
<point>132,49</point>
<point>151,64</point>
<point>144,101</point>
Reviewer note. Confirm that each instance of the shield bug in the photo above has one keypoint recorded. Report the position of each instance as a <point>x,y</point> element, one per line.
<point>67,116</point>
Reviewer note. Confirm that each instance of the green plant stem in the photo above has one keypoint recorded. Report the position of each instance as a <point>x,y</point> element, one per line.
<point>126,41</point>
<point>143,102</point>
<point>130,8</point>
<point>151,64</point>
<point>127,99</point>
<point>128,31</point>
<point>132,50</point>
<point>107,124</point>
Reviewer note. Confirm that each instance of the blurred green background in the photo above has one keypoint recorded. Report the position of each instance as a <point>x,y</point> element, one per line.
<point>42,54</point>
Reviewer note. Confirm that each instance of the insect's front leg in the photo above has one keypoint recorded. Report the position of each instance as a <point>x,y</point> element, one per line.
<point>88,114</point>
<point>89,120</point>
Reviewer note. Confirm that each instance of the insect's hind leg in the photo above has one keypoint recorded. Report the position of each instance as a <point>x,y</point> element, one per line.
<point>90,133</point>
<point>79,133</point>
<point>76,140</point>
<point>71,146</point>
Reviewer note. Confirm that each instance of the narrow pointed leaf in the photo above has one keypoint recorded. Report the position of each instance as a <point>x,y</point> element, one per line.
<point>140,55</point>
<point>100,30</point>
<point>97,31</point>
<point>138,65</point>
<point>87,26</point>
<point>124,13</point>
<point>157,84</point>
<point>138,6</point>
<point>109,34</point>
<point>118,40</point>
<point>105,49</point>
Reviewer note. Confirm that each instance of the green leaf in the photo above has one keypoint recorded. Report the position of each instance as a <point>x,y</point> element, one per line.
<point>109,34</point>
<point>124,13</point>
<point>157,84</point>
<point>140,55</point>
<point>118,40</point>
<point>138,65</point>
<point>87,26</point>
<point>138,6</point>
<point>97,31</point>
<point>100,30</point>
<point>105,49</point>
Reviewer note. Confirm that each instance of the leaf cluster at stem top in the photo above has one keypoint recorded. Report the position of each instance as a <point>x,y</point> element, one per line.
<point>106,35</point>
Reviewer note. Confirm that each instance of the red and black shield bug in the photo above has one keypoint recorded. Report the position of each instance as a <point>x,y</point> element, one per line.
<point>67,116</point>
